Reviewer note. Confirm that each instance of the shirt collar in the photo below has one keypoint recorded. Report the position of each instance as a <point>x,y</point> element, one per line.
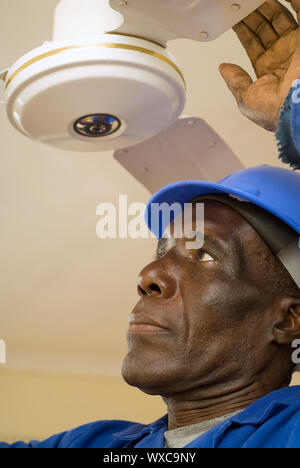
<point>262,409</point>
<point>137,430</point>
<point>256,413</point>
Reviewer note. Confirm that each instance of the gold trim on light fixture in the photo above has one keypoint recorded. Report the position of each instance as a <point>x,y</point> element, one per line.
<point>137,37</point>
<point>51,53</point>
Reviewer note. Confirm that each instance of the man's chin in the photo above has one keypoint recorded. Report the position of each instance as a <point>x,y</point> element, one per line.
<point>133,372</point>
<point>145,376</point>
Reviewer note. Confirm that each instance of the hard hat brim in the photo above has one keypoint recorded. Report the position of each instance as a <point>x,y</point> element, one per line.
<point>185,191</point>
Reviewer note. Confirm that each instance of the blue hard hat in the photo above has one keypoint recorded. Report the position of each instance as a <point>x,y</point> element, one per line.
<point>274,189</point>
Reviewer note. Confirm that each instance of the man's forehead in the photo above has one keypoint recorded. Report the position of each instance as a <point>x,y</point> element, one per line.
<point>209,238</point>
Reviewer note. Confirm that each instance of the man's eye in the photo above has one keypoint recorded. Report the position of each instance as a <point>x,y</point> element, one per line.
<point>205,257</point>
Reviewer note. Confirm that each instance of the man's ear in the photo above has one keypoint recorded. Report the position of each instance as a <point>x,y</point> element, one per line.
<point>288,329</point>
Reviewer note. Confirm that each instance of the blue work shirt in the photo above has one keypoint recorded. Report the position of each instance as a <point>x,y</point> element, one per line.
<point>271,422</point>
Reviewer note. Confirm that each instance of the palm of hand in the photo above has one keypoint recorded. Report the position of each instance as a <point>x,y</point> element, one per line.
<point>275,71</point>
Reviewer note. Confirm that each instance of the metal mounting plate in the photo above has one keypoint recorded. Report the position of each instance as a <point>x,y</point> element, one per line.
<point>190,149</point>
<point>163,20</point>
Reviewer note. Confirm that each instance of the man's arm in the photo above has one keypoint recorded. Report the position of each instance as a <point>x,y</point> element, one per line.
<point>52,442</point>
<point>271,38</point>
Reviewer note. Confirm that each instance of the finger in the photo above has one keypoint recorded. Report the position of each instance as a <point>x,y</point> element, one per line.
<point>250,41</point>
<point>262,27</point>
<point>237,79</point>
<point>279,16</point>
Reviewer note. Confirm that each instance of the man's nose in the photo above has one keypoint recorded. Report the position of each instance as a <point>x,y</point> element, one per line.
<point>153,281</point>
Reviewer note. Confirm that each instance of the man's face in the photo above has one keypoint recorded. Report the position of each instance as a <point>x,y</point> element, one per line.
<point>211,311</point>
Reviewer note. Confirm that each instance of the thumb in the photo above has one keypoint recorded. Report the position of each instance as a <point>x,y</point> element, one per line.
<point>295,5</point>
<point>237,79</point>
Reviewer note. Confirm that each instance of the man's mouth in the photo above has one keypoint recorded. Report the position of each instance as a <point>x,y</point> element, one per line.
<point>144,328</point>
<point>141,324</point>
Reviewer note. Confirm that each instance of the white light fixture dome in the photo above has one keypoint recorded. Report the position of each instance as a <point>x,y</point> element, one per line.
<point>127,80</point>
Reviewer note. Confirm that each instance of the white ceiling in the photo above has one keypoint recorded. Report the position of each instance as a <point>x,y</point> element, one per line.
<point>65,294</point>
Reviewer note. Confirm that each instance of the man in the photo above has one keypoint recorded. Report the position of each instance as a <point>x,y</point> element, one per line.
<point>214,329</point>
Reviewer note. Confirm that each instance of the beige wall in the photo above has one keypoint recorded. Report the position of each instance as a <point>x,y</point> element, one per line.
<point>36,405</point>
